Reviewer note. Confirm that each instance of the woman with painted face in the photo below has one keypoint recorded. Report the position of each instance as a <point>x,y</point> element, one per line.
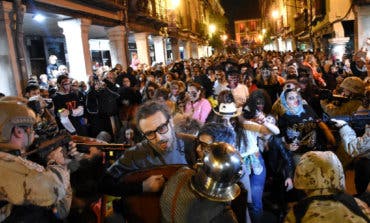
<point>268,81</point>
<point>148,93</point>
<point>302,129</point>
<point>198,106</point>
<point>176,87</point>
<point>254,126</point>
<point>239,91</point>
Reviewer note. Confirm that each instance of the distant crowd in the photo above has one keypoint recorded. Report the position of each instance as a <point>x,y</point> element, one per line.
<point>283,112</point>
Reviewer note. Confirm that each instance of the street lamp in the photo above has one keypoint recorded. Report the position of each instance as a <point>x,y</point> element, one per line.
<point>173,4</point>
<point>260,37</point>
<point>39,17</point>
<point>224,38</point>
<point>212,29</point>
<point>275,14</point>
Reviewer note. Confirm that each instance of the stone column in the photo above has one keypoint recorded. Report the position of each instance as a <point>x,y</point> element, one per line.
<point>194,50</point>
<point>118,47</point>
<point>76,32</point>
<point>175,49</point>
<point>159,49</point>
<point>10,74</point>
<point>187,49</point>
<point>142,45</point>
<point>201,51</point>
<point>289,44</point>
<point>209,51</point>
<point>362,28</point>
<point>275,44</point>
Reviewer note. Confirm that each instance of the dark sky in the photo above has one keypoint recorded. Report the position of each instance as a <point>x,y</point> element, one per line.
<point>240,9</point>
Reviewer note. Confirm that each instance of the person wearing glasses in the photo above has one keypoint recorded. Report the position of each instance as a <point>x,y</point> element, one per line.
<point>213,132</point>
<point>161,146</point>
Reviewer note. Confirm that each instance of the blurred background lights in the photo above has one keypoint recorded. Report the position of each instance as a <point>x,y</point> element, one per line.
<point>38,17</point>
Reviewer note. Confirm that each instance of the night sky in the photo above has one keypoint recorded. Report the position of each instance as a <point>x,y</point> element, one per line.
<point>238,10</point>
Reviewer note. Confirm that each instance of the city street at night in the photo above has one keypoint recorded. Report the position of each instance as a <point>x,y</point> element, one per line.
<point>185,111</point>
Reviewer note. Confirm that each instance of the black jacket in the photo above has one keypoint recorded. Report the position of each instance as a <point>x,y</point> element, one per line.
<point>279,158</point>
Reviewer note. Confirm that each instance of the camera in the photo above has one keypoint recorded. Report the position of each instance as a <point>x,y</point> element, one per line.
<point>46,129</point>
<point>49,103</point>
<point>35,105</point>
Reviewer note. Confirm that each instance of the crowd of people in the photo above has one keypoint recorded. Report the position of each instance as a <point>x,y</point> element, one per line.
<point>280,121</point>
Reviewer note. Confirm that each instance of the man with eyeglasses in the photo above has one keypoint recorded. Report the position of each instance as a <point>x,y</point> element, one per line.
<point>213,132</point>
<point>29,192</point>
<point>161,146</point>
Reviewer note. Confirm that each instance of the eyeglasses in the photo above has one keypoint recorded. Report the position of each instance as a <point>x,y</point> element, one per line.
<point>162,129</point>
<point>204,145</point>
<point>66,84</point>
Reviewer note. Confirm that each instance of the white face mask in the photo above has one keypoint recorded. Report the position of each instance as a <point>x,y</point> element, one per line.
<point>194,95</point>
<point>265,73</point>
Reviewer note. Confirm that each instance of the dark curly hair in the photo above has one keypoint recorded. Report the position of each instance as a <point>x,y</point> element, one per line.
<point>250,107</point>
<point>225,96</point>
<point>149,108</point>
<point>219,132</point>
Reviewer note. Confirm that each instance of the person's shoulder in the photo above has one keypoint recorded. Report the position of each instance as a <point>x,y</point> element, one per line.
<point>188,139</point>
<point>139,148</point>
<point>276,139</point>
<point>205,101</point>
<point>17,164</point>
<point>184,136</point>
<point>140,151</point>
<point>56,96</point>
<point>242,87</point>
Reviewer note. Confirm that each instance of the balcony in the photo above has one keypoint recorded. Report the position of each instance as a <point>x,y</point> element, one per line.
<point>110,5</point>
<point>145,11</point>
<point>301,23</point>
<point>200,28</point>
